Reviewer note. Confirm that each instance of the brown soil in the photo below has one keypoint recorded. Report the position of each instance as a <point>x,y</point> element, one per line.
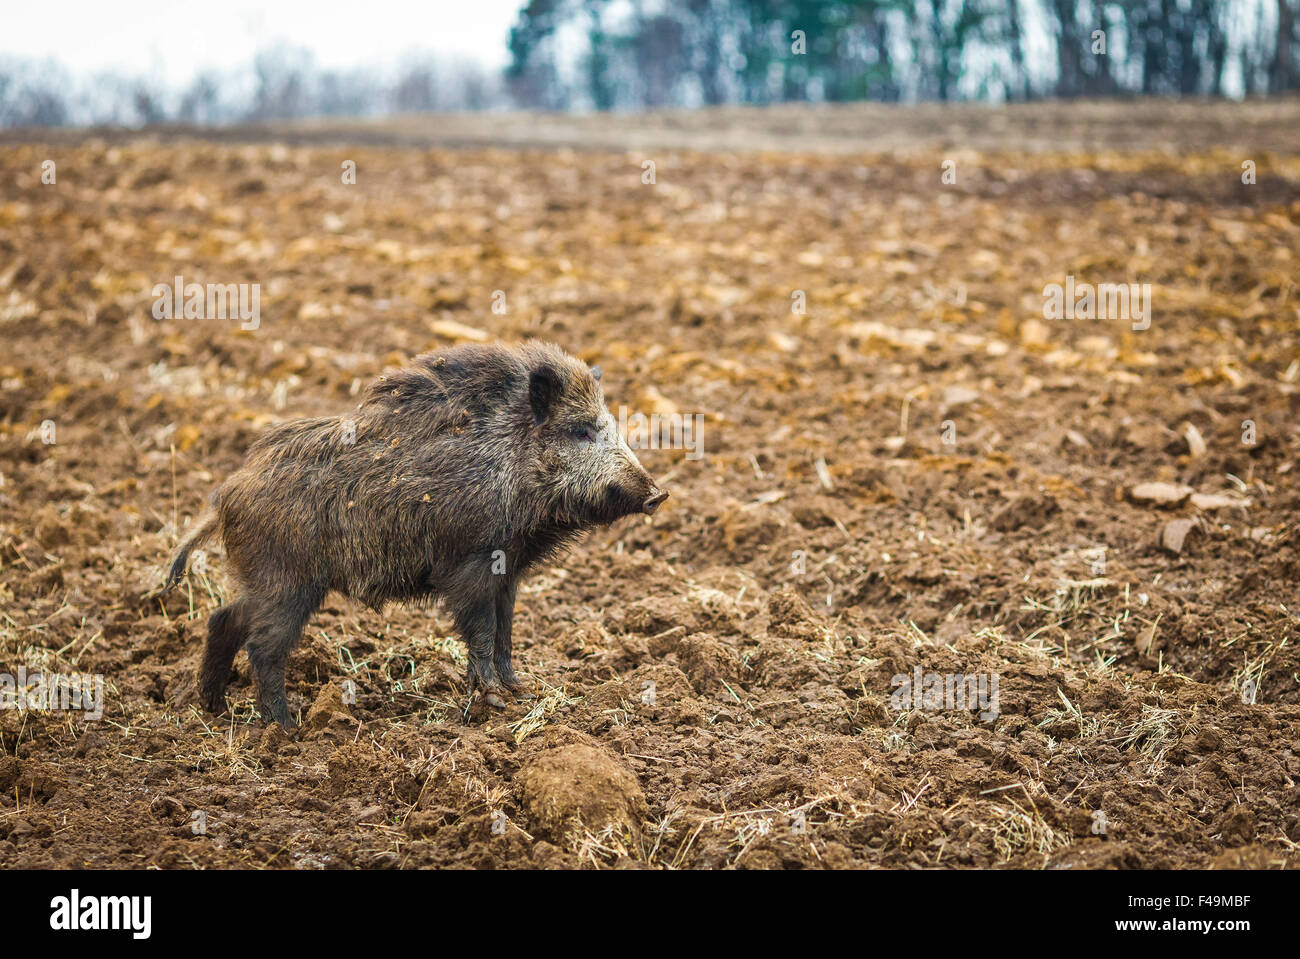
<point>921,471</point>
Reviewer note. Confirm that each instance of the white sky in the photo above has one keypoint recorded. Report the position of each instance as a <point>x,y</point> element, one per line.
<point>173,40</point>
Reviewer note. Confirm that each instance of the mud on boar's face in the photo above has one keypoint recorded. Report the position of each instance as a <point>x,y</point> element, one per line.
<point>587,470</point>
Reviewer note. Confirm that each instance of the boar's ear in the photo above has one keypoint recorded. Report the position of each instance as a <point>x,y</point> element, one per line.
<point>543,391</point>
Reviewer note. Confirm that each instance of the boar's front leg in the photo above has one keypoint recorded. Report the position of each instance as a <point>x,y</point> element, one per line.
<point>501,658</point>
<point>476,623</point>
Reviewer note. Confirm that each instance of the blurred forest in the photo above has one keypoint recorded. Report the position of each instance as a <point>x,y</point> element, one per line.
<point>279,83</point>
<point>770,51</point>
<point>579,55</point>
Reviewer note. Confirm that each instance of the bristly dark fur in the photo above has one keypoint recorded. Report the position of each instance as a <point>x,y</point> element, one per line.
<point>455,476</point>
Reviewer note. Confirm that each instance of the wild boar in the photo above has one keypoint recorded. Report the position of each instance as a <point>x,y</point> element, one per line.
<point>454,477</point>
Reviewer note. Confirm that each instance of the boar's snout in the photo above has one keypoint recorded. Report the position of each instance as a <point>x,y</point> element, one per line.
<point>653,500</point>
<point>619,485</point>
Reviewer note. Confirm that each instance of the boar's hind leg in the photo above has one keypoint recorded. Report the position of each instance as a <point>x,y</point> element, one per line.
<point>276,629</point>
<point>227,631</point>
<point>476,623</point>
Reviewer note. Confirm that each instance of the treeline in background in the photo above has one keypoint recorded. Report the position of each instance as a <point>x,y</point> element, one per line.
<point>279,83</point>
<point>635,54</point>
<point>750,51</point>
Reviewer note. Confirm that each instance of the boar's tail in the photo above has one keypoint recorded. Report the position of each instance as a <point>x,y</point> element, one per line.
<point>200,534</point>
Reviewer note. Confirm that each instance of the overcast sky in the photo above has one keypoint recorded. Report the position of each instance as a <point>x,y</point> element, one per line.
<point>172,40</point>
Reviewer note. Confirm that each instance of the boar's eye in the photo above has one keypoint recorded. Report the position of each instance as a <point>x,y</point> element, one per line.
<point>585,433</point>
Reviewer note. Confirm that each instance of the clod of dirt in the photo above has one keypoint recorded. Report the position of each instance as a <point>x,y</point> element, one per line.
<point>792,616</point>
<point>1025,512</point>
<point>1208,740</point>
<point>168,809</point>
<point>427,822</point>
<point>558,735</point>
<point>584,639</point>
<point>1160,494</point>
<point>814,512</point>
<point>546,856</point>
<point>573,791</point>
<point>329,717</point>
<point>716,610</point>
<point>1238,826</point>
<point>654,615</point>
<point>272,739</point>
<point>1248,857</point>
<point>40,780</point>
<point>1174,534</point>
<point>745,531</point>
<point>706,661</point>
<point>657,686</point>
<point>9,772</point>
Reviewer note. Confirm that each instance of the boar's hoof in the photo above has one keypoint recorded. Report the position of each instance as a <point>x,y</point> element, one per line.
<point>510,682</point>
<point>515,688</point>
<point>490,696</point>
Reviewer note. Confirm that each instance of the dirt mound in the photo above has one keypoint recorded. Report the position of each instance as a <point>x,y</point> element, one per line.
<point>579,794</point>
